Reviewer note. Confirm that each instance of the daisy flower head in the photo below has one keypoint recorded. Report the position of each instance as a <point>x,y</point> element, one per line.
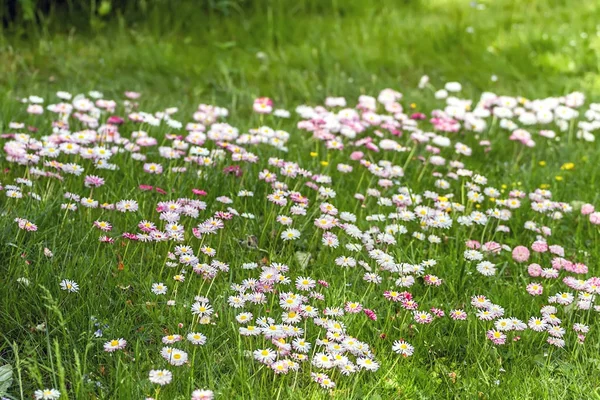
<point>159,288</point>
<point>486,268</point>
<point>290,234</point>
<point>69,286</point>
<point>160,377</point>
<point>535,289</point>
<point>265,356</point>
<point>196,338</point>
<point>458,315</point>
<point>46,394</point>
<point>422,317</point>
<point>114,345</point>
<point>263,105</point>
<point>497,337</point>
<point>202,394</point>
<point>403,348</point>
<point>177,357</point>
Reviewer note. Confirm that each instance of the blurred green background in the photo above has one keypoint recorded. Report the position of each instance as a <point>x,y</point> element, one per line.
<point>300,50</point>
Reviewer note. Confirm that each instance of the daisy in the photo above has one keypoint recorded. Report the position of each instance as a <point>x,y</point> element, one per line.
<point>46,394</point>
<point>496,337</point>
<point>486,268</point>
<point>422,317</point>
<point>170,339</point>
<point>127,206</point>
<point>160,376</point>
<point>159,288</point>
<point>69,286</point>
<point>202,309</point>
<point>202,394</point>
<point>537,324</point>
<point>305,283</point>
<point>265,356</point>
<point>367,363</point>
<point>196,338</point>
<point>115,344</point>
<point>177,358</point>
<point>290,234</point>
<point>458,315</point>
<point>403,348</point>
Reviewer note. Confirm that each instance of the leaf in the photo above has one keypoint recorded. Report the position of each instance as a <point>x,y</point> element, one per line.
<point>225,45</point>
<point>303,259</point>
<point>104,8</point>
<point>5,378</point>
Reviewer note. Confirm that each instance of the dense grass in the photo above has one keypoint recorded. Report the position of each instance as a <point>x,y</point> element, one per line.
<point>182,56</point>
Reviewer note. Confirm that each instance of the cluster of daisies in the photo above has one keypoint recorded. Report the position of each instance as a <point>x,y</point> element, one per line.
<point>285,314</point>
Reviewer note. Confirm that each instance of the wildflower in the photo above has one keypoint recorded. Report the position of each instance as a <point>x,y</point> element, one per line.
<point>177,358</point>
<point>486,268</point>
<point>265,356</point>
<point>47,394</point>
<point>520,254</point>
<point>159,288</point>
<point>263,105</point>
<point>196,338</point>
<point>202,309</point>
<point>535,289</point>
<point>422,317</point>
<point>370,314</point>
<point>115,344</point>
<point>69,286</point>
<point>537,324</point>
<point>290,234</point>
<point>202,394</point>
<point>496,337</point>
<point>367,363</point>
<point>403,348</point>
<point>161,376</point>
<point>458,315</point>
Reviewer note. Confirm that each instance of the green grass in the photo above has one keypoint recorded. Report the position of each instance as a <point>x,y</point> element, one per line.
<point>188,56</point>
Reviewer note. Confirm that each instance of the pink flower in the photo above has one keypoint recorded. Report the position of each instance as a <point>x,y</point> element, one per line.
<point>492,247</point>
<point>595,218</point>
<point>357,155</point>
<point>26,225</point>
<point>438,312</point>
<point>352,308</point>
<point>115,120</point>
<point>496,337</point>
<point>93,181</point>
<point>559,263</point>
<point>432,280</point>
<point>558,250</point>
<point>370,314</point>
<point>539,246</point>
<point>473,244</point>
<point>199,192</point>
<point>535,289</point>
<point>587,209</point>
<point>263,105</point>
<point>323,283</point>
<point>130,236</point>
<point>577,268</point>
<point>520,254</point>
<point>132,95</point>
<point>233,170</point>
<point>534,270</point>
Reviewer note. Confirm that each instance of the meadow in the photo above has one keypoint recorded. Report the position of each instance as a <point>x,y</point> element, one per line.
<point>300,200</point>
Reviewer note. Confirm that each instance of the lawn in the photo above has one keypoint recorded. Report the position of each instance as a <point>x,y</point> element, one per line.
<point>287,243</point>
